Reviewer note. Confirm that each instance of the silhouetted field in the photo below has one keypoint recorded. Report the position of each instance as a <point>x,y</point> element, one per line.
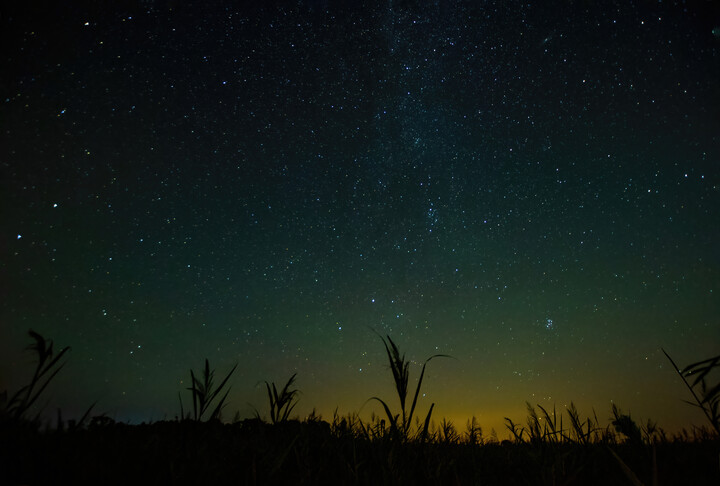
<point>398,449</point>
<point>340,452</point>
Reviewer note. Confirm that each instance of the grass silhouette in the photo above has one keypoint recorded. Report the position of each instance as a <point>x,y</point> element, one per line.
<point>400,423</point>
<point>281,404</point>
<point>709,399</point>
<point>204,392</point>
<point>549,449</point>
<point>47,367</point>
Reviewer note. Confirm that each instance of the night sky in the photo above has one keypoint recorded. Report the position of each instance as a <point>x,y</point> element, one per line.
<point>534,191</point>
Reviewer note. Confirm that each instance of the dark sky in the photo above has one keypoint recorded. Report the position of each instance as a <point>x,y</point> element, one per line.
<point>532,190</point>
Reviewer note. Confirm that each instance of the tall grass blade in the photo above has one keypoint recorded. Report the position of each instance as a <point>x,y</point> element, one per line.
<point>400,368</point>
<point>550,430</point>
<point>392,418</point>
<point>47,363</point>
<point>424,434</point>
<point>281,404</point>
<point>204,392</point>
<point>710,399</point>
<point>515,429</point>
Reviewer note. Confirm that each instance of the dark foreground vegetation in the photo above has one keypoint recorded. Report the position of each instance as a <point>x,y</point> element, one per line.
<point>318,452</point>
<point>399,449</point>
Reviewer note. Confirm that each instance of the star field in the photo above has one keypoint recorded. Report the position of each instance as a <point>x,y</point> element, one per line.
<point>531,190</point>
